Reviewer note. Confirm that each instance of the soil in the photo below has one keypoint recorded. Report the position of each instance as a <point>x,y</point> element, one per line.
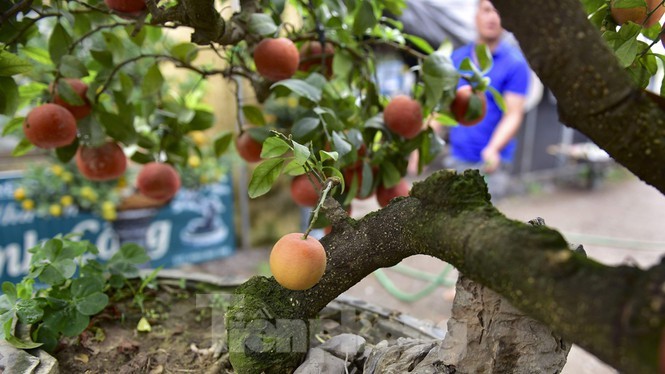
<point>183,339</point>
<point>179,341</point>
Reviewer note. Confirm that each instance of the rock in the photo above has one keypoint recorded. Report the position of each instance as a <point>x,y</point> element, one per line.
<point>488,335</point>
<point>405,356</point>
<point>14,360</point>
<point>344,346</point>
<point>319,361</point>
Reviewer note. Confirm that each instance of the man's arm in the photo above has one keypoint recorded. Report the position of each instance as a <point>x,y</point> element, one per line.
<point>505,130</point>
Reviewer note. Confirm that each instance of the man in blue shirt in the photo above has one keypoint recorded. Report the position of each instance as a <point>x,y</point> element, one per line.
<point>490,144</point>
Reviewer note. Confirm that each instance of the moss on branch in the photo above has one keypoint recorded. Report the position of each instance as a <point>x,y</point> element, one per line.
<point>607,310</point>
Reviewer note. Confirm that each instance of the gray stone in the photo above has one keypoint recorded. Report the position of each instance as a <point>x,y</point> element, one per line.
<point>319,361</point>
<point>486,334</point>
<point>344,346</point>
<point>14,360</point>
<point>404,356</point>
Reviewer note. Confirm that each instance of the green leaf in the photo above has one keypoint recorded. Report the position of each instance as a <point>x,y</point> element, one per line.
<point>153,81</point>
<point>85,286</point>
<point>254,115</point>
<point>202,120</point>
<point>264,176</point>
<point>58,44</point>
<point>76,322</point>
<point>484,57</point>
<point>222,143</point>
<point>58,272</point>
<point>274,147</point>
<point>439,75</point>
<point>262,24</point>
<point>626,52</point>
<point>365,18</point>
<point>390,176</point>
<point>11,64</point>
<point>38,54</point>
<point>325,155</point>
<point>67,93</point>
<point>301,153</point>
<point>9,289</point>
<point>29,311</point>
<point>9,96</point>
<point>341,145</point>
<point>23,147</point>
<point>133,253</point>
<point>293,168</point>
<point>420,43</point>
<point>342,64</point>
<point>66,153</point>
<point>498,99</point>
<point>72,67</point>
<point>367,181</point>
<point>104,57</point>
<point>186,52</point>
<point>136,34</point>
<point>21,344</point>
<point>92,304</point>
<point>117,127</point>
<point>305,128</point>
<point>591,6</point>
<point>300,88</point>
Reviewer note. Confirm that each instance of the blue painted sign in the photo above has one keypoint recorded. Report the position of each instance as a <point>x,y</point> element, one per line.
<point>196,226</point>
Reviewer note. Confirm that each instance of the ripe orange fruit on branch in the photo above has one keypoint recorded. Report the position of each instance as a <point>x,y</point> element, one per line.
<point>248,148</point>
<point>311,55</point>
<point>158,181</point>
<point>101,163</point>
<point>126,6</point>
<point>384,195</point>
<point>79,111</point>
<point>297,263</point>
<point>460,106</point>
<point>403,116</point>
<point>638,14</point>
<point>50,126</point>
<point>304,192</point>
<point>276,59</point>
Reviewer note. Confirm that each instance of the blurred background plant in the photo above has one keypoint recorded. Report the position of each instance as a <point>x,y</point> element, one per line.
<point>58,189</point>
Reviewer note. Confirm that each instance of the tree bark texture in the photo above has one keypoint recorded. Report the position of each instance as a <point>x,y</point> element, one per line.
<point>616,313</point>
<point>595,95</point>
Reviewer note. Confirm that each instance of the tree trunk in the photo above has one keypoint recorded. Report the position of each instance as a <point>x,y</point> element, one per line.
<point>615,313</point>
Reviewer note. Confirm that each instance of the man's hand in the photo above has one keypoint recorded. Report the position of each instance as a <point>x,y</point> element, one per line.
<point>491,159</point>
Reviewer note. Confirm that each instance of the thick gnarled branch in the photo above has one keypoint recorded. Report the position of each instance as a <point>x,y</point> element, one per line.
<point>614,312</point>
<point>595,95</point>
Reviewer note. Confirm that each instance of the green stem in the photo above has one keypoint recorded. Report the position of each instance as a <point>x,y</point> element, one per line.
<point>315,212</point>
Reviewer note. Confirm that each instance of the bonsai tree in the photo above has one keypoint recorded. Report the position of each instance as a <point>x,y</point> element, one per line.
<point>349,141</point>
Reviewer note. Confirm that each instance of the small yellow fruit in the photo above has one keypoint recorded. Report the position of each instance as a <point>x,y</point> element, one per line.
<point>66,200</point>
<point>108,205</point>
<point>292,102</point>
<point>199,137</point>
<point>19,193</point>
<point>297,263</point>
<point>122,182</point>
<point>55,210</point>
<point>89,194</point>
<point>194,161</point>
<point>67,177</point>
<point>57,170</point>
<point>109,215</point>
<point>28,204</point>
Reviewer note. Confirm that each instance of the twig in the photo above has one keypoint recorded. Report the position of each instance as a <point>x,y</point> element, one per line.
<point>20,6</point>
